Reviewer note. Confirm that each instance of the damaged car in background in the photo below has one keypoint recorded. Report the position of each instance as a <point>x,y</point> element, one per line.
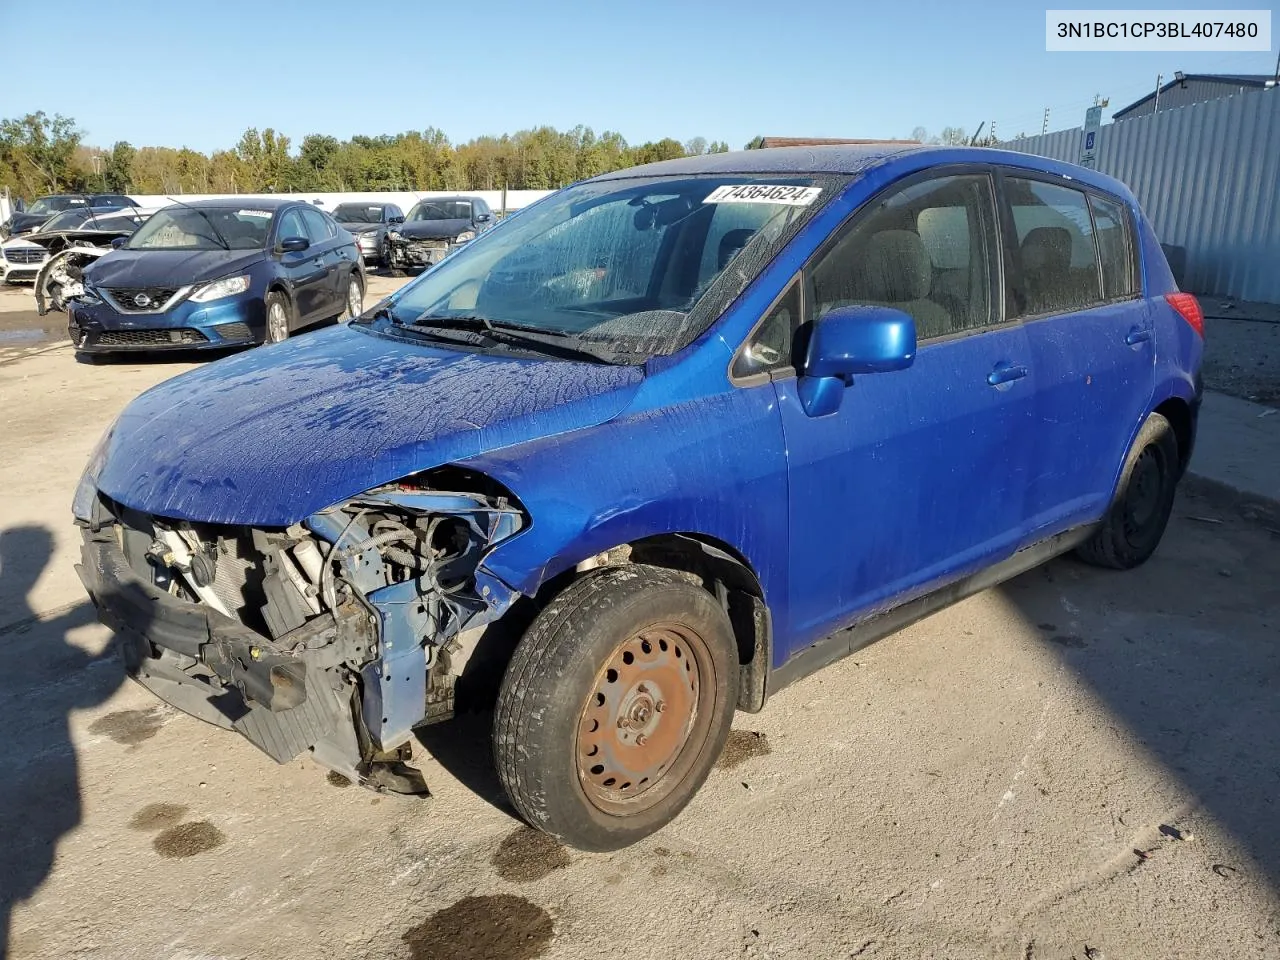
<point>433,229</point>
<point>671,439</point>
<point>65,253</point>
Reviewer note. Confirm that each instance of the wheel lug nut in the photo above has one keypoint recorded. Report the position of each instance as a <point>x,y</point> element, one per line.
<point>622,722</point>
<point>642,689</point>
<point>641,740</point>
<point>660,706</point>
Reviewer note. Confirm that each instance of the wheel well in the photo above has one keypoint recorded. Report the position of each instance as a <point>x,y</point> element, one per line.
<point>1178,413</point>
<point>723,572</point>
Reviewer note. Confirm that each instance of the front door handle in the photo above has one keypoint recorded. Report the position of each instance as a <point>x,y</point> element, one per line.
<point>1005,372</point>
<point>1137,335</point>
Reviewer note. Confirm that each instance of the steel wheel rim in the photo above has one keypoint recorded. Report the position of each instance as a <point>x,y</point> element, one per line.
<point>646,718</point>
<point>355,300</point>
<point>1142,499</point>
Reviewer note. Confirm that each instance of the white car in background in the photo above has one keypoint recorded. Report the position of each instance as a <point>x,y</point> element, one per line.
<point>22,258</point>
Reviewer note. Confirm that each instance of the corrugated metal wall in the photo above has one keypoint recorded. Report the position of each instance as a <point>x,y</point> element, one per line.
<point>1208,176</point>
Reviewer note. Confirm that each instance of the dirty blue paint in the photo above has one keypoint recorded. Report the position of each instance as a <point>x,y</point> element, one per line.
<point>908,480</point>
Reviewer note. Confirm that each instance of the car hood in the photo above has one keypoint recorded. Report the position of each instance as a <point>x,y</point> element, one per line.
<point>21,222</point>
<point>168,268</point>
<point>434,229</point>
<point>360,227</point>
<point>271,436</point>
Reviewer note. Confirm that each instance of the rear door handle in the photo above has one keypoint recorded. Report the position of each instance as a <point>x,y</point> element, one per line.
<point>1137,335</point>
<point>1005,373</point>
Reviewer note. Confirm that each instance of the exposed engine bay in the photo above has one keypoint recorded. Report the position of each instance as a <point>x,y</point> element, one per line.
<point>62,277</point>
<point>340,634</point>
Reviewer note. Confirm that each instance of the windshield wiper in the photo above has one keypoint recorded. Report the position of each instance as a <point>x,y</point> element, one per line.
<point>207,219</point>
<point>516,334</point>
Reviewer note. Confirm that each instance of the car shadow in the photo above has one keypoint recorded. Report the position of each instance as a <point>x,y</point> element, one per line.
<point>43,678</point>
<point>1183,652</point>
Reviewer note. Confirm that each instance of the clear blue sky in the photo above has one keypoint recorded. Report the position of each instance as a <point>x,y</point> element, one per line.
<point>196,73</point>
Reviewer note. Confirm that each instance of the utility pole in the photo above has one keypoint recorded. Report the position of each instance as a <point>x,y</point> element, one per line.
<point>1044,127</point>
<point>994,141</point>
<point>1156,108</point>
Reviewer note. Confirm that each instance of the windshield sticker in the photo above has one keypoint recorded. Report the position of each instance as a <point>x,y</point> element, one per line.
<point>764,193</point>
<point>254,213</point>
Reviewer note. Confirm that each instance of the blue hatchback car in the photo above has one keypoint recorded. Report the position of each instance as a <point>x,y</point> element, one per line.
<point>670,440</point>
<point>216,274</point>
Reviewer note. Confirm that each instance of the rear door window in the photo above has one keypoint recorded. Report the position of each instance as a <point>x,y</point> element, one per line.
<point>1115,248</point>
<point>1055,247</point>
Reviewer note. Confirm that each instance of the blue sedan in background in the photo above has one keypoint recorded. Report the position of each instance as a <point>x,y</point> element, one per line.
<point>218,273</point>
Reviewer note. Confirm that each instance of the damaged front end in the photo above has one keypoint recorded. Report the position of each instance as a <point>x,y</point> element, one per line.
<point>61,279</point>
<point>338,635</point>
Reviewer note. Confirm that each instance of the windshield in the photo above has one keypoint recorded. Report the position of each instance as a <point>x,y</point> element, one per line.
<point>641,265</point>
<point>442,210</point>
<point>357,213</point>
<point>203,228</point>
<point>122,223</point>
<point>67,220</point>
<point>47,205</point>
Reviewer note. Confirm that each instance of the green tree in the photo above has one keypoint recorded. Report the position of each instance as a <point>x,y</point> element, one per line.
<point>117,168</point>
<point>37,153</point>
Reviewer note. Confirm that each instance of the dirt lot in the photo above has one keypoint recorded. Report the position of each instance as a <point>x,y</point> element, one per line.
<point>1077,765</point>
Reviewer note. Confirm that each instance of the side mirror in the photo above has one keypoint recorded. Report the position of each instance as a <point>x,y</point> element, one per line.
<point>292,245</point>
<point>395,219</point>
<point>118,242</point>
<point>849,341</point>
<point>482,218</point>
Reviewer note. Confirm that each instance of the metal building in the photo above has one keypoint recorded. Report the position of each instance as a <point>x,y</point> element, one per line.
<point>1188,88</point>
<point>1208,176</point>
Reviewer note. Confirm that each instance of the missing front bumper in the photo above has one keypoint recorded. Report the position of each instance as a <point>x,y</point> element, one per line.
<point>217,670</point>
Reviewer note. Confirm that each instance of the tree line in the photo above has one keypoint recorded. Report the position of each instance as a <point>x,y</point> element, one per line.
<point>42,154</point>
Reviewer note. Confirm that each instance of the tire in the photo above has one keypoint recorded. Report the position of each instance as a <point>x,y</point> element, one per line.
<point>278,331</point>
<point>1139,513</point>
<point>354,304</point>
<point>635,667</point>
<point>388,261</point>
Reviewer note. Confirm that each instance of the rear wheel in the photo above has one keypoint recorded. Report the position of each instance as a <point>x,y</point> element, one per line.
<point>354,305</point>
<point>1138,515</point>
<point>615,706</point>
<point>279,317</point>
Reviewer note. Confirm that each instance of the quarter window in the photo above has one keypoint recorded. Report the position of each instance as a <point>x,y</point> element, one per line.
<point>1115,248</point>
<point>1055,247</point>
<point>928,250</point>
<point>770,346</point>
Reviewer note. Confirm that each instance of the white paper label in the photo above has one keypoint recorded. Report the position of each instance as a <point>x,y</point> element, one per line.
<point>764,193</point>
<point>254,213</point>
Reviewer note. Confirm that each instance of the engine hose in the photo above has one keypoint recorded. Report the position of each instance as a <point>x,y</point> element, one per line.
<point>403,557</point>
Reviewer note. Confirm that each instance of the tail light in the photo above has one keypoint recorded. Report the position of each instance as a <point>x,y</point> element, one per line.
<point>1188,308</point>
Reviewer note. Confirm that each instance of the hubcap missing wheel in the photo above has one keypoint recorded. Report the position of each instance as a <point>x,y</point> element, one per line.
<point>641,715</point>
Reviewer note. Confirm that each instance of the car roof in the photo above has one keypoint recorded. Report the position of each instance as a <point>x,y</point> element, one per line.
<point>242,203</point>
<point>855,159</point>
<point>453,196</point>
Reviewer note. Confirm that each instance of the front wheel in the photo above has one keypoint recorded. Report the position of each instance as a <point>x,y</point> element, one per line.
<point>615,706</point>
<point>278,318</point>
<point>1136,520</point>
<point>389,260</point>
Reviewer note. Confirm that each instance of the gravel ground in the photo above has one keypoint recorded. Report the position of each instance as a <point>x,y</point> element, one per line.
<point>1079,764</point>
<point>1242,349</point>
